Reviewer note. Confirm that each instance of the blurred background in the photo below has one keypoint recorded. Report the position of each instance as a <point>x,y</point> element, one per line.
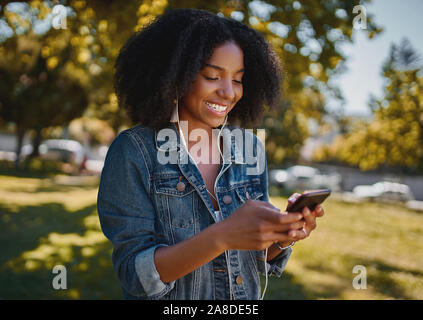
<point>351,120</point>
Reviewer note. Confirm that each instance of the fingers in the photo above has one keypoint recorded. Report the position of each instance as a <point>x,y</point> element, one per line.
<point>310,225</point>
<point>318,211</point>
<point>296,235</point>
<point>279,236</point>
<point>294,226</point>
<point>310,219</point>
<point>293,197</point>
<point>273,216</point>
<point>271,227</point>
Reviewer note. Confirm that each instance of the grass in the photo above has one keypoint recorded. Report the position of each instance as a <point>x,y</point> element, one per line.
<point>387,240</point>
<point>53,221</point>
<point>48,221</point>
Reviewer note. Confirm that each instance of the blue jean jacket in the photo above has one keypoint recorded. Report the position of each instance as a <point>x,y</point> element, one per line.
<point>141,208</point>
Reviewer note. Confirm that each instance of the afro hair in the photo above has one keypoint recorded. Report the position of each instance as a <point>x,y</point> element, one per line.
<point>159,63</point>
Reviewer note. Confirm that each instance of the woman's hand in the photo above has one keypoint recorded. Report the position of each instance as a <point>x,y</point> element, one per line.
<point>309,219</point>
<point>256,225</point>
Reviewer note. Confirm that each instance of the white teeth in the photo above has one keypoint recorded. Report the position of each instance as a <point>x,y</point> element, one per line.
<point>216,107</point>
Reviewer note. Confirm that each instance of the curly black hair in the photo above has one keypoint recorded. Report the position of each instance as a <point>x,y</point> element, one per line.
<point>160,62</point>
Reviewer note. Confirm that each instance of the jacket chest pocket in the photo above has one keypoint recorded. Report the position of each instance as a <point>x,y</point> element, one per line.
<point>175,201</point>
<point>249,191</point>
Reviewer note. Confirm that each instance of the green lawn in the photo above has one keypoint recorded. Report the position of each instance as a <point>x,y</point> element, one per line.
<point>46,222</point>
<point>53,221</point>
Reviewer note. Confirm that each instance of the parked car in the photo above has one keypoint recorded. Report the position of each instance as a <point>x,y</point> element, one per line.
<point>65,150</point>
<point>304,177</point>
<point>384,190</point>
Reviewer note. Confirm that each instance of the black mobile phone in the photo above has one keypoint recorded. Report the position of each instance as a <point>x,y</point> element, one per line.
<point>309,199</point>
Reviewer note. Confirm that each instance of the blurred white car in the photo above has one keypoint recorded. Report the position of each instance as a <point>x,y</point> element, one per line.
<point>58,149</point>
<point>384,190</point>
<point>304,177</point>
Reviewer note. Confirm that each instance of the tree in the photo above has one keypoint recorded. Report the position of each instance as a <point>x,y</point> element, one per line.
<point>306,34</point>
<point>395,137</point>
<point>40,88</point>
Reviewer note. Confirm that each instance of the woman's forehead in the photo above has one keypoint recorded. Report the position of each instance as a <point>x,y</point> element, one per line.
<point>227,57</point>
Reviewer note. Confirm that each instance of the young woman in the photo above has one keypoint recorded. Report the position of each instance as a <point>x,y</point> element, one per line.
<point>190,218</point>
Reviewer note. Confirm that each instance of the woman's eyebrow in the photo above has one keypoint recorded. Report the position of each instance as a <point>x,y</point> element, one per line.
<point>220,68</point>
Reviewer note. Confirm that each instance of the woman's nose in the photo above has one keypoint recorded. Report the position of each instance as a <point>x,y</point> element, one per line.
<point>226,91</point>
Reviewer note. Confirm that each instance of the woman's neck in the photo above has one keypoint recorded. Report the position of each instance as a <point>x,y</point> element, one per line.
<point>203,143</point>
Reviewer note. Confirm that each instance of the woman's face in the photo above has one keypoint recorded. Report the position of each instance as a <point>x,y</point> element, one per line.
<point>216,89</point>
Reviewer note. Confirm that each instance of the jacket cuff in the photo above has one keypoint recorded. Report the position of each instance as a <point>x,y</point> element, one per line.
<point>276,266</point>
<point>148,275</point>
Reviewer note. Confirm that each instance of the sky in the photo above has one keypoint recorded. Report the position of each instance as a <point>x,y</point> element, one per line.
<point>399,19</point>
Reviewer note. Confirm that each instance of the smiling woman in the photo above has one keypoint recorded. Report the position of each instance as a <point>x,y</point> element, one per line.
<point>216,89</point>
<point>194,229</point>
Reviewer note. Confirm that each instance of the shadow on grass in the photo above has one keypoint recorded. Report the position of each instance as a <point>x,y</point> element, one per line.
<point>7,168</point>
<point>21,228</point>
<point>60,183</point>
<point>89,277</point>
<point>65,188</point>
<point>26,174</point>
<point>36,238</point>
<point>381,277</point>
<point>283,288</point>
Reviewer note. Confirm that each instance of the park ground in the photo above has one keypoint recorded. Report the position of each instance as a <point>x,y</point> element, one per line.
<point>47,221</point>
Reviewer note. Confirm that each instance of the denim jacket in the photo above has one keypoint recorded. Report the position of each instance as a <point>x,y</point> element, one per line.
<point>141,208</point>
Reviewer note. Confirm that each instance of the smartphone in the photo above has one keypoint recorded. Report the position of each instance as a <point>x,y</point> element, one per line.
<point>309,199</point>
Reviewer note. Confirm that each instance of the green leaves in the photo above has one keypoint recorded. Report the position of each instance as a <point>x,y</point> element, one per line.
<point>395,137</point>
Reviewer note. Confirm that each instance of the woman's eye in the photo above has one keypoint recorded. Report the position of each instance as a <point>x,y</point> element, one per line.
<point>214,79</point>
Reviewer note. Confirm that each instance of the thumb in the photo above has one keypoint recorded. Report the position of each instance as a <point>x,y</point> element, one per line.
<point>293,197</point>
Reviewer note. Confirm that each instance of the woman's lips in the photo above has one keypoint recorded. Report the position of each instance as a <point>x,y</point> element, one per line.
<point>216,108</point>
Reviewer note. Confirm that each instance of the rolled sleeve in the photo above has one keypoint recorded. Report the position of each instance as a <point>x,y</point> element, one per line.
<point>148,275</point>
<point>128,218</point>
<point>276,266</point>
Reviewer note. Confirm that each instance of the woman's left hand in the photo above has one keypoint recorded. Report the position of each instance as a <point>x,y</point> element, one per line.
<point>309,219</point>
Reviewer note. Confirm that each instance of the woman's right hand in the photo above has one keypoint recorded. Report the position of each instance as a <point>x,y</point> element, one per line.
<point>256,225</point>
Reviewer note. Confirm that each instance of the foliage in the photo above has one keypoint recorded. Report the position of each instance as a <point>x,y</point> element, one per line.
<point>395,137</point>
<point>306,34</point>
<point>42,85</point>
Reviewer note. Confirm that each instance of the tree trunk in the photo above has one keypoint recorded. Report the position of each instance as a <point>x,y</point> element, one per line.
<point>20,134</point>
<point>36,143</point>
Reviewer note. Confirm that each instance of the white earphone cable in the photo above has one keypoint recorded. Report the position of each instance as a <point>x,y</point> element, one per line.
<point>265,270</point>
<point>218,146</point>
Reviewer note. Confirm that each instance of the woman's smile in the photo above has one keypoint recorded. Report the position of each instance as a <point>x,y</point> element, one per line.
<point>217,109</point>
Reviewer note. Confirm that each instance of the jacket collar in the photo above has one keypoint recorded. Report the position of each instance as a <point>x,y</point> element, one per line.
<point>172,145</point>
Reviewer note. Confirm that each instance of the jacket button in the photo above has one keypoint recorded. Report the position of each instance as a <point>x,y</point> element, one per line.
<point>180,186</point>
<point>238,280</point>
<point>227,199</point>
